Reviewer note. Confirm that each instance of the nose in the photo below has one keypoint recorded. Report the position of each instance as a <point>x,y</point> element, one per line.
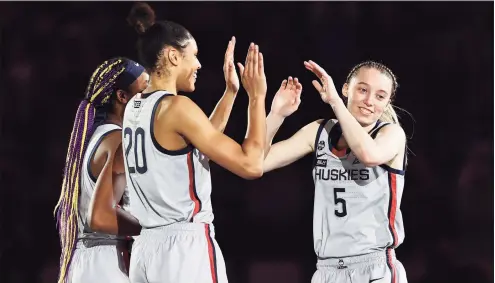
<point>199,65</point>
<point>368,100</point>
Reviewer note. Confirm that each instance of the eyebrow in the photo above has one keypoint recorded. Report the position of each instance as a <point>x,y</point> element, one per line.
<point>363,83</point>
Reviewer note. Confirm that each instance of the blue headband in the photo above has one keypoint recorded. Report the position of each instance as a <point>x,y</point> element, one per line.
<point>132,71</point>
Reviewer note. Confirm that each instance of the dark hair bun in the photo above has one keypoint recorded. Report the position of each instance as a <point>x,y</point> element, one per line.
<point>141,17</point>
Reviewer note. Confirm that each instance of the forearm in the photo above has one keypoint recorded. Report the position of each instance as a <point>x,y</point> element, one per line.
<point>355,135</point>
<point>273,123</point>
<point>220,115</point>
<point>116,221</point>
<point>256,130</point>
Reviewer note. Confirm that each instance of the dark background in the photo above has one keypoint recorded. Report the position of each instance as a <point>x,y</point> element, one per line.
<point>442,54</point>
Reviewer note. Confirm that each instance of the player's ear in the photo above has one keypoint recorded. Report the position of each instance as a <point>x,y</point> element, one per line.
<point>345,89</point>
<point>122,96</point>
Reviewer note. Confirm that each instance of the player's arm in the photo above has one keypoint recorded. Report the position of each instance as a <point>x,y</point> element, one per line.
<point>290,150</point>
<point>220,115</point>
<point>104,215</point>
<point>389,141</point>
<point>244,160</point>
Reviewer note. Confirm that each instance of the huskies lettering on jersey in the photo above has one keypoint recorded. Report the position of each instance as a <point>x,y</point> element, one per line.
<point>342,174</point>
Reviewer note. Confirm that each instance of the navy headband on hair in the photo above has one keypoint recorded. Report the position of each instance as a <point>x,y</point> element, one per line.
<point>132,71</point>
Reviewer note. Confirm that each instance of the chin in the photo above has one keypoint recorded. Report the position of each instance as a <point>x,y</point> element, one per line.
<point>365,120</point>
<point>191,88</point>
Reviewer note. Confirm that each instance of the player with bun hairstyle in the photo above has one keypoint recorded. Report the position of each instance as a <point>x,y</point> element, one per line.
<point>168,142</point>
<point>91,224</point>
<point>358,170</point>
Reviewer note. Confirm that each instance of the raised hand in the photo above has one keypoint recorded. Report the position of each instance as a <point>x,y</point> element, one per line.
<point>327,89</point>
<point>231,78</point>
<point>253,73</point>
<point>288,98</point>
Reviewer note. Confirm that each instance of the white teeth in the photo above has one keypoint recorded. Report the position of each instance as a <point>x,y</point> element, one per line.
<point>365,111</point>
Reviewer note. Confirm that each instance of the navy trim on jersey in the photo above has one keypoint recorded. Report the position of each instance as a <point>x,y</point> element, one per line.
<point>185,150</point>
<point>376,129</point>
<point>318,133</point>
<point>148,94</point>
<point>393,170</point>
<point>97,144</point>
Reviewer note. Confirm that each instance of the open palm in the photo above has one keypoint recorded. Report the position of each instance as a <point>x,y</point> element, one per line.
<point>288,97</point>
<point>231,78</point>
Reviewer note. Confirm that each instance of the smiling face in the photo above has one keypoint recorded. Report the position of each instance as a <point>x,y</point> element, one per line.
<point>188,67</point>
<point>369,92</point>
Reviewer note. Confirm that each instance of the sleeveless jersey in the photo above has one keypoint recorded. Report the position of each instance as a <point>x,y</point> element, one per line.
<point>88,183</point>
<point>165,186</point>
<point>356,208</point>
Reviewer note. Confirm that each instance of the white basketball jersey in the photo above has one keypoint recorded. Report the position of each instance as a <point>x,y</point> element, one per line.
<point>357,208</point>
<point>88,183</point>
<point>165,186</point>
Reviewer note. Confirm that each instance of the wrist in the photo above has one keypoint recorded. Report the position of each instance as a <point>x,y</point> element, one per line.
<point>230,91</point>
<point>337,103</point>
<point>256,99</point>
<point>256,95</point>
<point>273,116</point>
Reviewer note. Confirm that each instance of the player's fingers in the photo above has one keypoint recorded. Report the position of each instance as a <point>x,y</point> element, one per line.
<point>250,62</point>
<point>312,68</point>
<point>227,51</point>
<point>256,60</point>
<point>284,84</point>
<point>290,84</point>
<point>317,85</point>
<point>248,57</point>
<point>241,69</point>
<point>261,64</point>
<point>298,86</point>
<point>318,68</point>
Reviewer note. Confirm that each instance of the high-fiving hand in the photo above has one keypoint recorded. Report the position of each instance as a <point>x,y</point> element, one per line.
<point>253,73</point>
<point>288,98</point>
<point>231,78</point>
<point>327,89</point>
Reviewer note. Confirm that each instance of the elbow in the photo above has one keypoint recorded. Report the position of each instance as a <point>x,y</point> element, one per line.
<point>98,222</point>
<point>368,159</point>
<point>95,223</point>
<point>252,171</point>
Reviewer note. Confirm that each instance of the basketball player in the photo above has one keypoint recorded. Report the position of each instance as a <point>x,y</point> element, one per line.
<point>168,142</point>
<point>88,256</point>
<point>358,173</point>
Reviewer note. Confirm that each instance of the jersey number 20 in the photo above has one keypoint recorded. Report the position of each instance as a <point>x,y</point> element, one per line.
<point>139,155</point>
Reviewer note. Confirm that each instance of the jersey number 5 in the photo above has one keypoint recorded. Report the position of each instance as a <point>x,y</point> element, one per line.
<point>139,155</point>
<point>341,201</point>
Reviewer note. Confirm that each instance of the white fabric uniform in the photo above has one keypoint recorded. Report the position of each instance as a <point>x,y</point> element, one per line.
<point>98,257</point>
<point>357,219</point>
<point>170,196</point>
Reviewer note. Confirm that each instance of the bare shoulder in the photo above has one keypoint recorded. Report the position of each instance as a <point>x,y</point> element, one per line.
<point>311,130</point>
<point>394,131</point>
<point>178,106</point>
<point>111,142</point>
<point>314,125</point>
